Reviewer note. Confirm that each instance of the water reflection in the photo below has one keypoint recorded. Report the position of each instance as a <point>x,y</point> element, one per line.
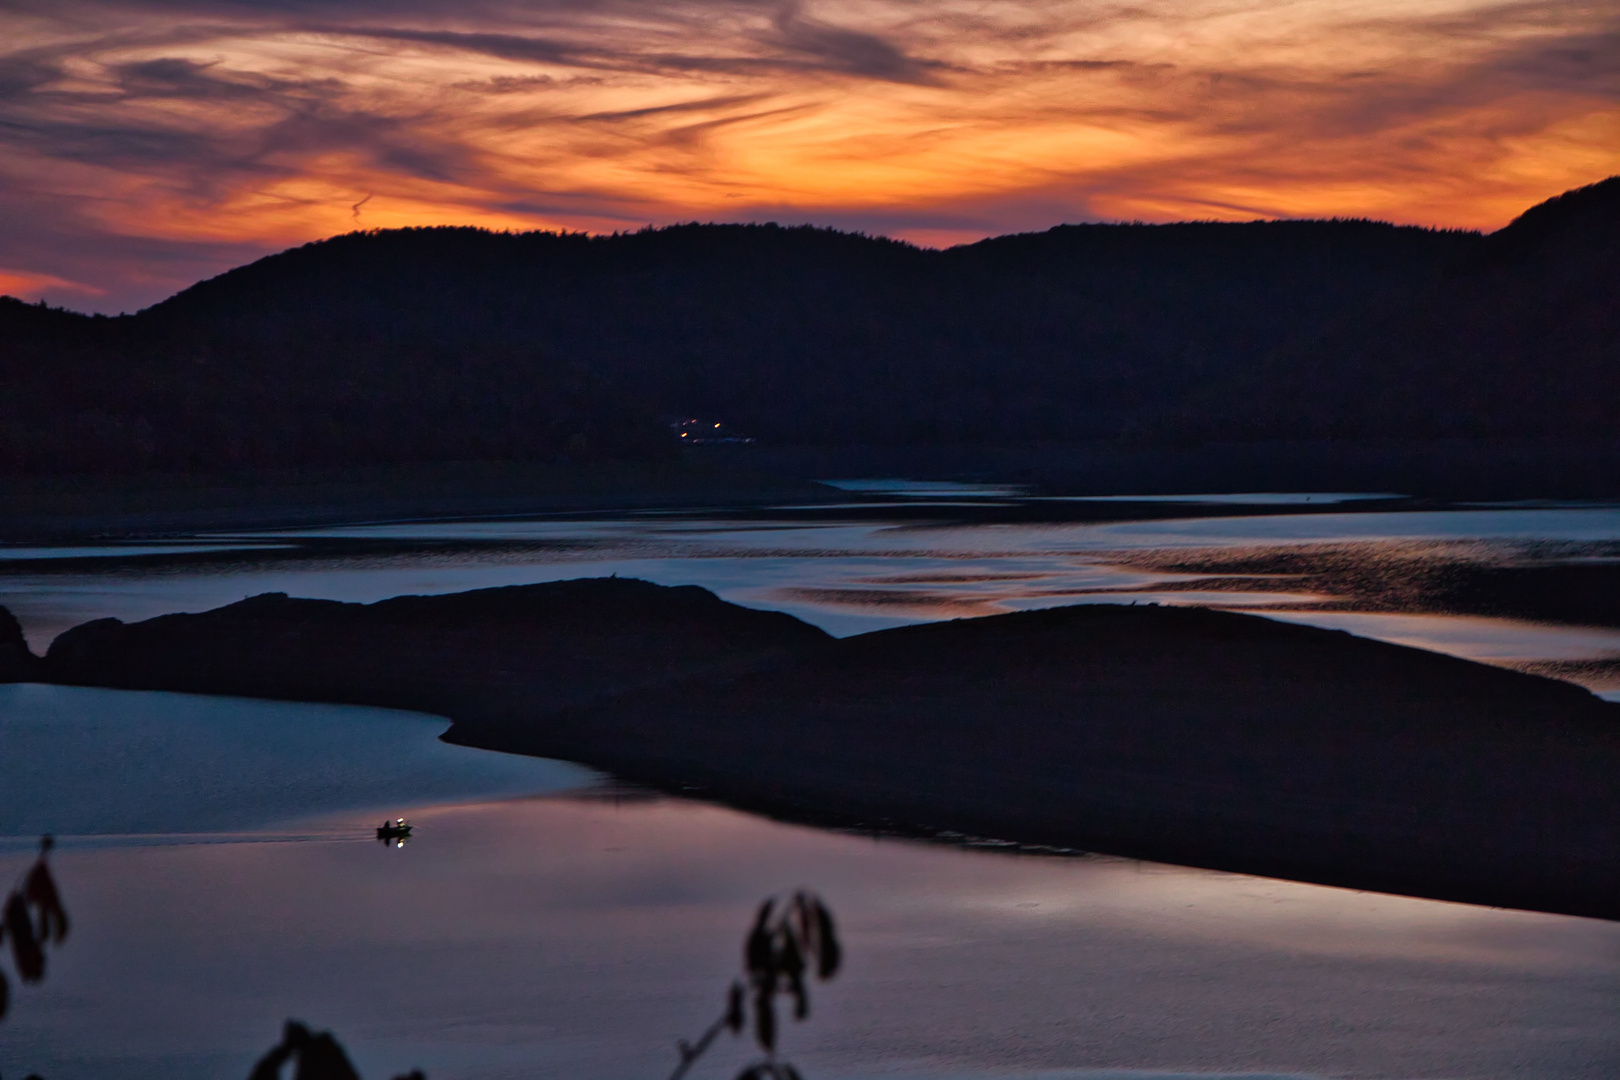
<point>580,934</point>
<point>18,553</point>
<point>931,489</point>
<point>1593,524</point>
<point>1474,637</point>
<point>553,937</point>
<point>142,767</point>
<point>1251,498</point>
<point>959,551</point>
<point>225,873</point>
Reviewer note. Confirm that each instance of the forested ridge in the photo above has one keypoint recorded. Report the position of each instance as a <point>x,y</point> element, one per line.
<point>441,344</point>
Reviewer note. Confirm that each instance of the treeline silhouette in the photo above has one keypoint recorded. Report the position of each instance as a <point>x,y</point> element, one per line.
<point>461,344</point>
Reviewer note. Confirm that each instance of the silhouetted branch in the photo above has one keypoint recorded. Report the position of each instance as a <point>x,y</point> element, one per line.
<point>784,942</point>
<point>31,918</point>
<point>314,1055</point>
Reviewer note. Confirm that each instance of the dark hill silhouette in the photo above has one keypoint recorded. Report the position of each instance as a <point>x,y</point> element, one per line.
<point>1578,224</point>
<point>1520,335</point>
<point>534,647</point>
<point>1209,738</point>
<point>460,344</point>
<point>17,662</point>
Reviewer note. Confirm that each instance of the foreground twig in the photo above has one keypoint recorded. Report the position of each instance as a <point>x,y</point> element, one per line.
<point>33,916</point>
<point>783,945</point>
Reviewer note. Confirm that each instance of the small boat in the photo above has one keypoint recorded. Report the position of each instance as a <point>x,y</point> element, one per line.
<point>398,829</point>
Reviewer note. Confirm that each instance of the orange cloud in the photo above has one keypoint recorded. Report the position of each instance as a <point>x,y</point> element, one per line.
<point>147,142</point>
<point>28,285</point>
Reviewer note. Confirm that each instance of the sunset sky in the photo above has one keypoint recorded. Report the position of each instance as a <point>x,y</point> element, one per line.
<point>145,144</point>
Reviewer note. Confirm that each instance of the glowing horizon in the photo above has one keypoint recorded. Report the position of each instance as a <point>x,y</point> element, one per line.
<point>150,143</point>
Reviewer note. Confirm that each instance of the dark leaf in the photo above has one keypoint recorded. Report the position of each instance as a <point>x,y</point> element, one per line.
<point>801,1000</point>
<point>5,995</point>
<point>757,950</point>
<point>804,921</point>
<point>828,954</point>
<point>322,1058</point>
<point>269,1066</point>
<point>735,1016</point>
<point>765,1019</point>
<point>790,1072</point>
<point>40,891</point>
<point>753,1072</point>
<point>25,950</point>
<point>790,960</point>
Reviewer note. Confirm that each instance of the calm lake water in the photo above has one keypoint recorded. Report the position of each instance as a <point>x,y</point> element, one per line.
<point>534,926</point>
<point>219,860</point>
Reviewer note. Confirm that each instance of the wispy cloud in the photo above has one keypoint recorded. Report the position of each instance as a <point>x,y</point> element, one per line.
<point>144,143</point>
<point>852,52</point>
